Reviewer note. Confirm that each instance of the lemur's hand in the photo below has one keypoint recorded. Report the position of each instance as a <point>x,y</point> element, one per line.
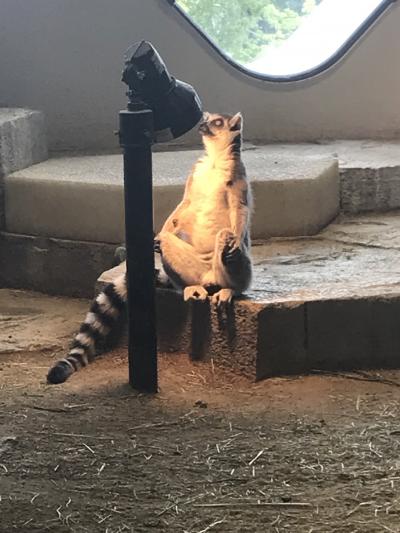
<point>231,249</point>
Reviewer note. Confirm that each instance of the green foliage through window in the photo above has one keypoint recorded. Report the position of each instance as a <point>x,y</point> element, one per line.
<point>242,28</point>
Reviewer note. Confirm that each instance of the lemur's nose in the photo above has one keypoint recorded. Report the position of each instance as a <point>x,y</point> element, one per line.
<point>203,127</point>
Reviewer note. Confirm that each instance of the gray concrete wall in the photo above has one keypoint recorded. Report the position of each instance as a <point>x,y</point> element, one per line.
<point>65,57</point>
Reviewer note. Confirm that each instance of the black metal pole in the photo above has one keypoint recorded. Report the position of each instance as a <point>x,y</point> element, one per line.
<point>136,135</point>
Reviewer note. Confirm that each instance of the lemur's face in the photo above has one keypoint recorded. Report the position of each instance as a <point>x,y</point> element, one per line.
<point>215,126</point>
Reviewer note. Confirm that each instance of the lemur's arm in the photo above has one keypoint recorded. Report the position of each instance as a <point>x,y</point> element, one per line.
<point>171,221</point>
<point>239,209</point>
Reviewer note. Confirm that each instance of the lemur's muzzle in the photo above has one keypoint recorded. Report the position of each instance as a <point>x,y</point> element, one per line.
<point>204,129</point>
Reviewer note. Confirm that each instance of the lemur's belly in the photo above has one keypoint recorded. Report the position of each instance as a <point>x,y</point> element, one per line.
<point>200,224</point>
<point>208,211</point>
<point>208,224</point>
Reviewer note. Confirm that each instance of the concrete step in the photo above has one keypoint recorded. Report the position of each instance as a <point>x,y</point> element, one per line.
<point>369,172</point>
<point>327,302</point>
<point>297,189</point>
<point>81,198</point>
<point>22,139</point>
<point>52,266</point>
<point>22,144</point>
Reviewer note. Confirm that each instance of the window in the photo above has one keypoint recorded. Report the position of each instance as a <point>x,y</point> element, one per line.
<point>282,39</point>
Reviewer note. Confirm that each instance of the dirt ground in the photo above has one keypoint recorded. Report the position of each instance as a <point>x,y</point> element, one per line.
<point>210,452</point>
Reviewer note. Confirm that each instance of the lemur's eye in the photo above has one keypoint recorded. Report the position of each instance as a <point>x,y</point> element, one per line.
<point>217,122</point>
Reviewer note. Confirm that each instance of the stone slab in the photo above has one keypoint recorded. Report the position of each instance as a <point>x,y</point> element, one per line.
<point>289,201</point>
<point>358,332</point>
<point>293,195</point>
<point>369,171</point>
<point>172,167</point>
<point>53,266</point>
<point>22,144</point>
<point>327,302</point>
<point>22,139</point>
<point>370,189</point>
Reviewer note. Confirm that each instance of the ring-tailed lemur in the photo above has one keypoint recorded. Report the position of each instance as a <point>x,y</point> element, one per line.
<point>204,244</point>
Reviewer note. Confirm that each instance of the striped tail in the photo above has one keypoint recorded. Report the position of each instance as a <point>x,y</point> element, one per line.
<point>102,323</point>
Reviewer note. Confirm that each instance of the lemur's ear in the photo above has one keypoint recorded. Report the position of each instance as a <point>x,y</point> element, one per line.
<point>235,123</point>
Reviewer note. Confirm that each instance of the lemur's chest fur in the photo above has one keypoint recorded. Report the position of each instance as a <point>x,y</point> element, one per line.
<point>208,210</point>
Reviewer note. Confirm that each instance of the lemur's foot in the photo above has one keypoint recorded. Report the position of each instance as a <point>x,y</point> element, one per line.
<point>223,297</point>
<point>196,293</point>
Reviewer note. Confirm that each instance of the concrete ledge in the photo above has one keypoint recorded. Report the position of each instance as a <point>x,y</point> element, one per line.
<point>297,189</point>
<point>370,189</point>
<point>201,331</point>
<point>293,195</point>
<point>330,302</point>
<point>22,139</point>
<point>53,266</point>
<point>22,143</point>
<point>369,171</point>
<point>300,203</point>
